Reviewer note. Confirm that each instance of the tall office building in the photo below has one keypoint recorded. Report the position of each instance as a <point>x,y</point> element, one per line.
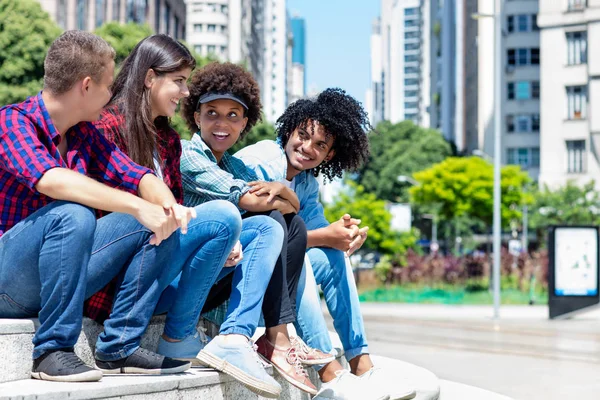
<point>570,91</point>
<point>405,45</point>
<point>214,27</point>
<point>520,110</point>
<point>277,52</point>
<point>163,16</point>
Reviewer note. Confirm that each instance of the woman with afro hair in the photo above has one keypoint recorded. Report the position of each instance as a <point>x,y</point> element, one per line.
<point>224,104</point>
<point>327,135</point>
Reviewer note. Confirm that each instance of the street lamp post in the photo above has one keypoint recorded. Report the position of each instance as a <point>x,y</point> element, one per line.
<point>497,155</point>
<point>497,243</point>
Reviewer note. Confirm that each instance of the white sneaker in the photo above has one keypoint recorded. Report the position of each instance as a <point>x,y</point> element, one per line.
<point>346,386</point>
<point>378,380</point>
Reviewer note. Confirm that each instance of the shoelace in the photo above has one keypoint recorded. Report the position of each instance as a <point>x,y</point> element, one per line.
<point>148,353</point>
<point>69,359</point>
<point>293,359</point>
<point>303,347</point>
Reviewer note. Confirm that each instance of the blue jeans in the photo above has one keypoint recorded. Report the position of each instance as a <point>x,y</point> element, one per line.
<point>262,240</point>
<point>328,268</point>
<point>43,267</point>
<point>122,248</point>
<point>200,257</point>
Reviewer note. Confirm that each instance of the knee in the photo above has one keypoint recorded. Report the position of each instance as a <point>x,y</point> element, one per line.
<point>224,212</point>
<point>326,257</point>
<point>273,229</point>
<point>77,219</point>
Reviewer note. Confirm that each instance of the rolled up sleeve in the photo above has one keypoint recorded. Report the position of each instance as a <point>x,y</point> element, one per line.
<point>22,154</point>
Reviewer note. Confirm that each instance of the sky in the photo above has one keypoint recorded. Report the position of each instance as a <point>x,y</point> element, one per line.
<point>338,35</point>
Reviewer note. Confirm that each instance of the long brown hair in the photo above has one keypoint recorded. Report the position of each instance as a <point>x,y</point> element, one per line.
<point>162,54</point>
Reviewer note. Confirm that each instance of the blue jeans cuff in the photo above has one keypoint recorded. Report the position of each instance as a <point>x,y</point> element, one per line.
<point>352,353</point>
<point>236,330</point>
<point>123,353</point>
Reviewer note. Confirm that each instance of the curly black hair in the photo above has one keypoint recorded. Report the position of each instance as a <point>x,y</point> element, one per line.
<point>342,117</point>
<point>226,77</point>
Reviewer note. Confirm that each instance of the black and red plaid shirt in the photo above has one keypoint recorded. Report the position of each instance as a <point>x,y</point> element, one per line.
<point>29,147</point>
<point>111,124</point>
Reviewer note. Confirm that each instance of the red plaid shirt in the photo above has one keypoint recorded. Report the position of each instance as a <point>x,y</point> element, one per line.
<point>28,148</point>
<point>111,125</point>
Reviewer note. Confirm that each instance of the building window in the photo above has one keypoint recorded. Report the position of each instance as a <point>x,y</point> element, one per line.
<point>411,58</point>
<point>575,156</point>
<point>411,105</point>
<point>576,102</point>
<point>575,5</point>
<point>61,13</point>
<point>410,93</point>
<point>411,35</point>
<point>197,27</point>
<point>224,9</point>
<point>411,70</point>
<point>198,48</point>
<point>410,116</point>
<point>411,82</point>
<point>211,49</point>
<point>82,14</point>
<point>523,90</point>
<point>523,123</point>
<point>100,12</point>
<point>176,27</point>
<point>525,157</point>
<point>224,29</point>
<point>523,56</point>
<point>411,46</point>
<point>116,10</point>
<point>223,49</point>
<point>521,23</point>
<point>411,11</point>
<point>576,48</point>
<point>410,23</point>
<point>211,28</point>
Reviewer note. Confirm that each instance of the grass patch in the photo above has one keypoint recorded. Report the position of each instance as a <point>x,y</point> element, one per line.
<point>447,295</point>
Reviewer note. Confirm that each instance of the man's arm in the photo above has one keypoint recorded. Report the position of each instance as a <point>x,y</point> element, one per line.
<point>64,184</point>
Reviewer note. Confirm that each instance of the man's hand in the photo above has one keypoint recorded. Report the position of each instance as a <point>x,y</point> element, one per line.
<point>345,234</point>
<point>235,256</point>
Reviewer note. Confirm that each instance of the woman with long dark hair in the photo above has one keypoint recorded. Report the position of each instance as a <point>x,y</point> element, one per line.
<point>146,92</point>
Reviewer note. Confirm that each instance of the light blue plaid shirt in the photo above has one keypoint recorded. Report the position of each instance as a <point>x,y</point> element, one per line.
<point>204,179</point>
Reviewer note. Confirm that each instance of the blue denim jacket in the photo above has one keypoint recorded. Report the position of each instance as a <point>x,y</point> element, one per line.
<point>268,160</point>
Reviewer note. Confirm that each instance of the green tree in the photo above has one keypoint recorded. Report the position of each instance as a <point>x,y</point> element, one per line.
<point>463,187</point>
<point>261,131</point>
<point>123,37</point>
<point>26,32</point>
<point>568,205</point>
<point>400,149</point>
<point>372,212</point>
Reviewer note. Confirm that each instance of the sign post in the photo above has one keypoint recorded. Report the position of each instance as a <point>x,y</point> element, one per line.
<point>573,269</point>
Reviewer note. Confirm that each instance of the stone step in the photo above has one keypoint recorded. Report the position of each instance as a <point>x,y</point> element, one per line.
<point>16,348</point>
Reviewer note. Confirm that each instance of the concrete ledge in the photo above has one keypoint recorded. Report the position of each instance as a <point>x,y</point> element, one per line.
<point>198,383</point>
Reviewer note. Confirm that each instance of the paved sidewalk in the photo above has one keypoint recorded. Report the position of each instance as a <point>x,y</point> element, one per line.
<point>523,355</point>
